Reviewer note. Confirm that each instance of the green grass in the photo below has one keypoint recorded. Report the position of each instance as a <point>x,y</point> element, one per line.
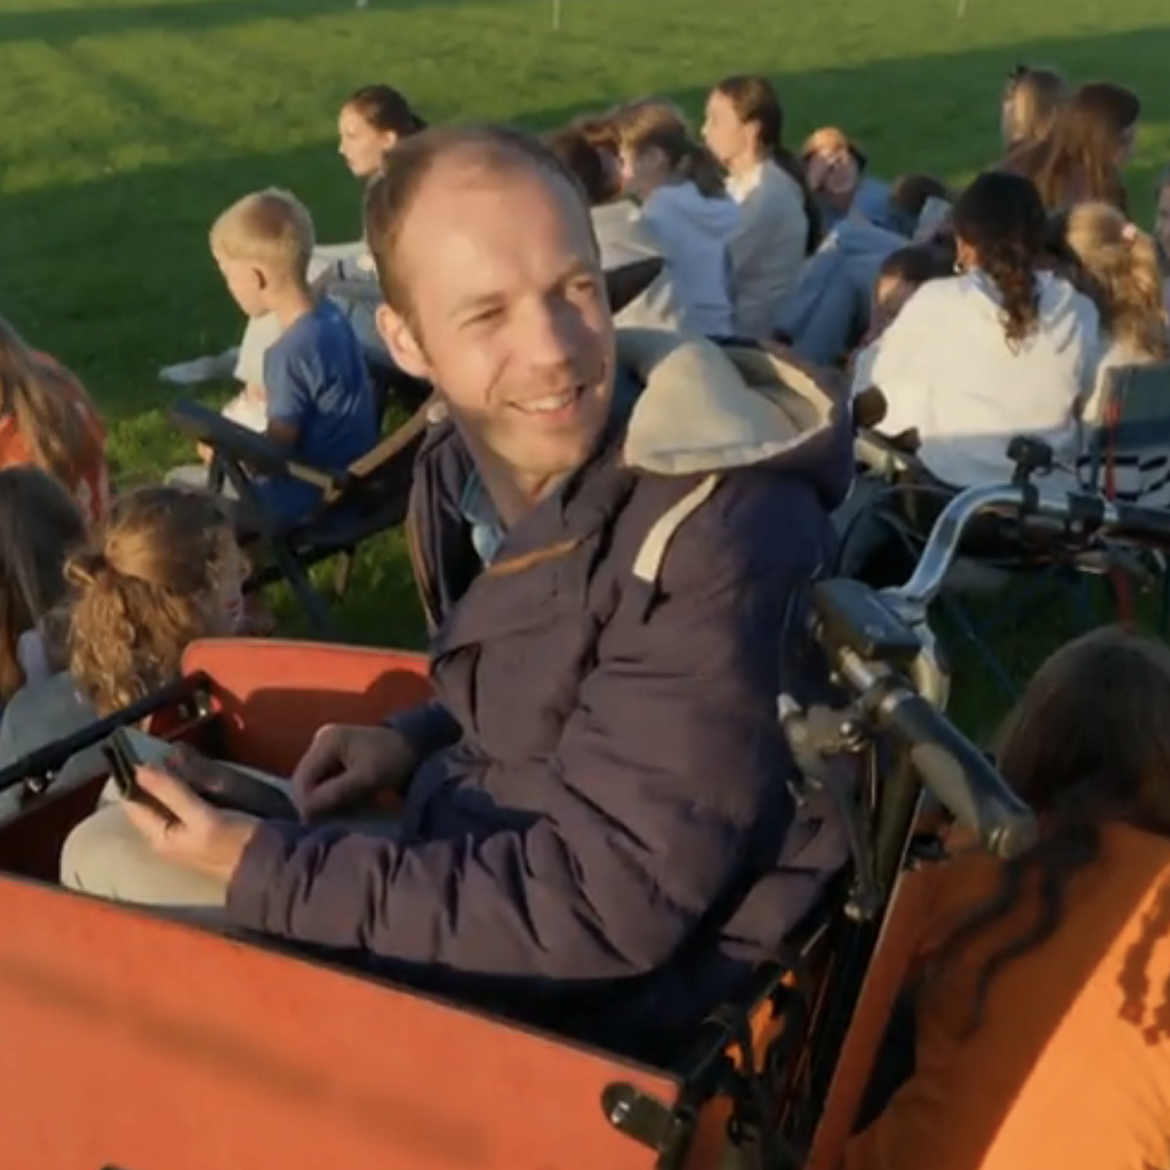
<point>128,125</point>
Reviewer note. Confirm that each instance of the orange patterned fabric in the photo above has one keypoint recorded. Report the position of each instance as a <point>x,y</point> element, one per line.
<point>1070,1067</point>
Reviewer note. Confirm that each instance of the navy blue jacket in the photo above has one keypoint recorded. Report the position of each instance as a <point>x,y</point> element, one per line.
<point>611,783</point>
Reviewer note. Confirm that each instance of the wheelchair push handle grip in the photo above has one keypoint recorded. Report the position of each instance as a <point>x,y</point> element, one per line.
<point>961,778</point>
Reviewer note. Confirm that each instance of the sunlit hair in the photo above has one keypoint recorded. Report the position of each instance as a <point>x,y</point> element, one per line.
<point>1078,159</point>
<point>147,585</point>
<point>1089,742</point>
<point>385,109</point>
<point>756,103</point>
<point>657,125</point>
<point>271,229</point>
<point>44,399</point>
<point>1117,266</point>
<point>40,526</point>
<point>587,164</point>
<point>1032,99</point>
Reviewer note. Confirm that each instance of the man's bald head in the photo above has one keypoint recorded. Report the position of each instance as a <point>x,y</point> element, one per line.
<point>455,154</point>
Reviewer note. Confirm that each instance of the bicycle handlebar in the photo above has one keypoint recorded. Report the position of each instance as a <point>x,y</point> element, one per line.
<point>1086,512</point>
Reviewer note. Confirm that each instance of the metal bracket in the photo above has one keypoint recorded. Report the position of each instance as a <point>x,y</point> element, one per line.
<point>665,1129</point>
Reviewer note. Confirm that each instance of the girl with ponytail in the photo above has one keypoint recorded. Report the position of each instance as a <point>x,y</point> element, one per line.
<point>685,205</point>
<point>1006,347</point>
<point>779,221</point>
<point>162,571</point>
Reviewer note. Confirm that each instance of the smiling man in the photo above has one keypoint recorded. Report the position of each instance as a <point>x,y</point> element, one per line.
<point>611,537</point>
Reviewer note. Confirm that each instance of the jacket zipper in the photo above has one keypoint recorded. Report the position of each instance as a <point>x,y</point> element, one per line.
<point>422,580</point>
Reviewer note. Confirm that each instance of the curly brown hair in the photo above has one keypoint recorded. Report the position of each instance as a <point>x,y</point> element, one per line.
<point>146,587</point>
<point>1000,217</point>
<point>1089,742</point>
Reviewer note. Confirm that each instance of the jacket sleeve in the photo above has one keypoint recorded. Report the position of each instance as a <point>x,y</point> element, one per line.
<point>428,728</point>
<point>672,768</point>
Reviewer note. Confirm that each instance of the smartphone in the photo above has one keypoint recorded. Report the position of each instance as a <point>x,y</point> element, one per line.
<point>124,762</point>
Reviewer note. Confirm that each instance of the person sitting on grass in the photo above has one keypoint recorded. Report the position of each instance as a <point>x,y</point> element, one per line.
<point>622,235</point>
<point>615,535</point>
<point>163,570</point>
<point>48,419</point>
<point>318,401</point>
<point>902,273</point>
<point>1043,982</point>
<point>1004,348</point>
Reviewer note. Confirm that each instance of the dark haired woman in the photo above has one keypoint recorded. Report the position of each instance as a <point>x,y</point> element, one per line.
<point>1004,348</point>
<point>1042,985</point>
<point>778,223</point>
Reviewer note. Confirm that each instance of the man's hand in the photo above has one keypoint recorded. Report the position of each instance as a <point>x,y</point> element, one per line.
<point>346,766</point>
<point>200,837</point>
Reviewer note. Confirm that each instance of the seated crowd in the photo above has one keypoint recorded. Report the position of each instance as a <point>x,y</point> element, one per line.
<point>608,842</point>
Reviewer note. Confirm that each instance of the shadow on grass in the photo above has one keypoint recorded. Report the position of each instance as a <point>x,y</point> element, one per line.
<point>58,26</point>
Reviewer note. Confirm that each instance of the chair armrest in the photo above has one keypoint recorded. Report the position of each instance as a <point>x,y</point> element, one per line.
<point>235,443</point>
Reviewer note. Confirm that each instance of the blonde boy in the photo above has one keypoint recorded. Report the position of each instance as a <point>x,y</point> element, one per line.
<point>315,397</point>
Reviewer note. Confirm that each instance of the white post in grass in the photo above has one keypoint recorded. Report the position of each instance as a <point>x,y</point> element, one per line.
<point>556,15</point>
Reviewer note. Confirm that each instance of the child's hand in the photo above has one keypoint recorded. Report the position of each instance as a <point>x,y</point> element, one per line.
<point>205,453</point>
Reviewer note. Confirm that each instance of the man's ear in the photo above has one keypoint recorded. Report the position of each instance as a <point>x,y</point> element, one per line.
<point>402,343</point>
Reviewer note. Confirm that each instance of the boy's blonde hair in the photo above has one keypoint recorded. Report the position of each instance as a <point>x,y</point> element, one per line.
<point>271,229</point>
<point>144,589</point>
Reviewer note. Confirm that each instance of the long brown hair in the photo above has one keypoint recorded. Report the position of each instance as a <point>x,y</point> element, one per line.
<point>1117,267</point>
<point>43,399</point>
<point>1089,742</point>
<point>1002,218</point>
<point>1078,159</point>
<point>146,587</point>
<point>657,125</point>
<point>755,101</point>
<point>1032,99</point>
<point>40,526</point>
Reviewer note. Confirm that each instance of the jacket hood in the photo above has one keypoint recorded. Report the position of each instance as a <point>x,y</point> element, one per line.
<point>696,408</point>
<point>622,237</point>
<point>706,408</point>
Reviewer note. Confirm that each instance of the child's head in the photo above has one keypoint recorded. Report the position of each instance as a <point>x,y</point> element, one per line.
<point>902,273</point>
<point>373,121</point>
<point>263,244</point>
<point>1118,268</point>
<point>164,570</point>
<point>1032,98</point>
<point>40,527</point>
<point>599,181</point>
<point>658,148</point>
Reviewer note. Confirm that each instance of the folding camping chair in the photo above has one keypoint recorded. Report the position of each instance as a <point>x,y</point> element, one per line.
<point>359,502</point>
<point>1127,458</point>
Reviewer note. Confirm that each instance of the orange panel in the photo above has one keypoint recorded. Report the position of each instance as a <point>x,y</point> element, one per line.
<point>137,1042</point>
<point>275,694</point>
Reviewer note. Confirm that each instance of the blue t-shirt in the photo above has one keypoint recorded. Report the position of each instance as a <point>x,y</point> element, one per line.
<point>315,378</point>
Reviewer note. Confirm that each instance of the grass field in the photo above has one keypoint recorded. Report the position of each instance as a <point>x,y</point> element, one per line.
<point>128,126</point>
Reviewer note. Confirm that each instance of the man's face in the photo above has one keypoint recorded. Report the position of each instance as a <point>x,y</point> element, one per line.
<point>509,315</point>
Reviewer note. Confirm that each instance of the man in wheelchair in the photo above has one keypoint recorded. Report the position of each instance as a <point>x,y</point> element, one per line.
<point>612,538</point>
